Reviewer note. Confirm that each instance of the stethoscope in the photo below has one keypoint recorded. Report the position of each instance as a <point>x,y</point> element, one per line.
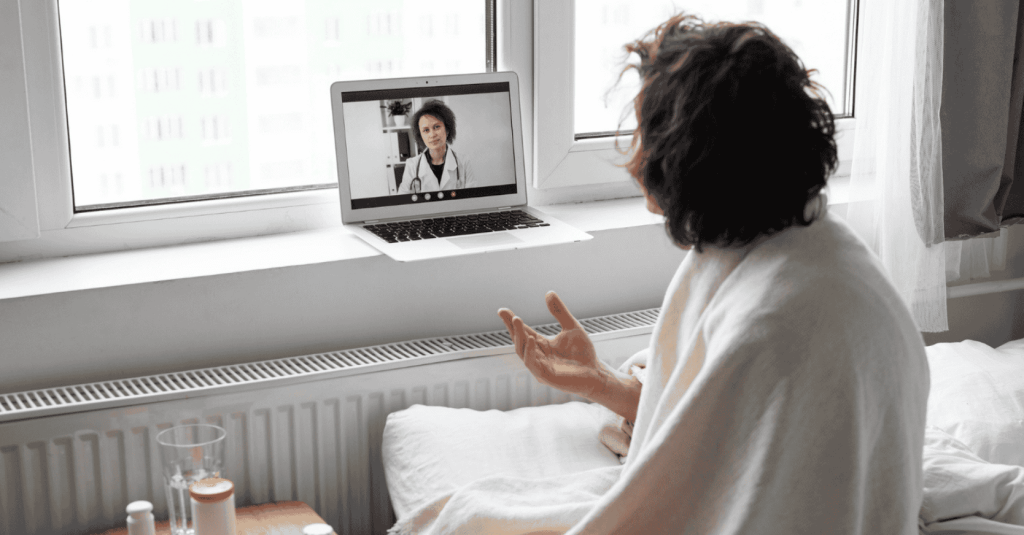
<point>416,184</point>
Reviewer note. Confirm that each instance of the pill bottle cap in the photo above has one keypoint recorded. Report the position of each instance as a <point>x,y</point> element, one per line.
<point>317,529</point>
<point>138,509</point>
<point>211,490</point>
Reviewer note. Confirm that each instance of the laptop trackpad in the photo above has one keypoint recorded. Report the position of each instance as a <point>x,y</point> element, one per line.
<point>485,240</point>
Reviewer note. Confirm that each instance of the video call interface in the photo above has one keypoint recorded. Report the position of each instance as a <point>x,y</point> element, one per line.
<point>461,148</point>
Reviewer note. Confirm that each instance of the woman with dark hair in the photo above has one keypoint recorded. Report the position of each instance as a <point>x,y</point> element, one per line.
<point>436,167</point>
<point>785,387</point>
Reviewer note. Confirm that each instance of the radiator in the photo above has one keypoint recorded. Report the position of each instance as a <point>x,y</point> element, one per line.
<point>303,428</point>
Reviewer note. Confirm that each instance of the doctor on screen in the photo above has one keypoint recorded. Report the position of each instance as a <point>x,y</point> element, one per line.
<point>437,167</point>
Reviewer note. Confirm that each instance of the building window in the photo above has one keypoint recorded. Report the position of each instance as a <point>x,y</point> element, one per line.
<point>235,90</point>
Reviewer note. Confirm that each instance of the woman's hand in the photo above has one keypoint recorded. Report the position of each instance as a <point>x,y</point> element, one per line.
<point>568,361</point>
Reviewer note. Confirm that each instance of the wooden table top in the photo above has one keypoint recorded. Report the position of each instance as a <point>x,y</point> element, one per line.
<point>280,518</point>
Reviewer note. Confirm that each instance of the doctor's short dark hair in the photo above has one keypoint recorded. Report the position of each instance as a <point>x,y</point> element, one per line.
<point>732,138</point>
<point>440,111</point>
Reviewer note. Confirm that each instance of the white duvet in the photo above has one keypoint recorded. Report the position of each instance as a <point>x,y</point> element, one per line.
<point>965,494</point>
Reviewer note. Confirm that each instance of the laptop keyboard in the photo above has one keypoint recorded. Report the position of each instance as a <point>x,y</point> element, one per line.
<point>460,225</point>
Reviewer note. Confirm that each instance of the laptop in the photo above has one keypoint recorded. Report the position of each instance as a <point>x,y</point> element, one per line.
<point>453,184</point>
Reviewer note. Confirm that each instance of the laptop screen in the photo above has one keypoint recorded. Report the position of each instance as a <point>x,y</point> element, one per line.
<point>436,145</point>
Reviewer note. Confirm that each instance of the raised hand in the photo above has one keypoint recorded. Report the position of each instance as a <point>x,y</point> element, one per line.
<point>568,361</point>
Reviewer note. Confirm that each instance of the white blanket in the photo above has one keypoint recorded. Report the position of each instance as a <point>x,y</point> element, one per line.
<point>785,393</point>
<point>964,492</point>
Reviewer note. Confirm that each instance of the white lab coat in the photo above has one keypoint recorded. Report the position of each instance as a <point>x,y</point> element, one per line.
<point>457,173</point>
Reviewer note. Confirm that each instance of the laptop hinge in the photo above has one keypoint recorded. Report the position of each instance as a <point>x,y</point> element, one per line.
<point>371,221</point>
<point>505,208</point>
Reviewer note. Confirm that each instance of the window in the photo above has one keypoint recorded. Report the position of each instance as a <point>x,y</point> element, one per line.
<point>189,101</point>
<point>582,103</point>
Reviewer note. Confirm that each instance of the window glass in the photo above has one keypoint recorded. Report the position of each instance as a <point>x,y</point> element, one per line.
<point>817,30</point>
<point>171,101</point>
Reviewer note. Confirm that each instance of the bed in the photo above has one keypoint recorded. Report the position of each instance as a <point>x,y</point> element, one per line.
<point>973,453</point>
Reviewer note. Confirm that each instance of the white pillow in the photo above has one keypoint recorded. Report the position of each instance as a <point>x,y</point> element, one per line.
<point>428,451</point>
<point>977,396</point>
<point>957,483</point>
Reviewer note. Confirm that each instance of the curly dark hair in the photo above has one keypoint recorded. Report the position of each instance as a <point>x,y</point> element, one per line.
<point>440,111</point>
<point>732,136</point>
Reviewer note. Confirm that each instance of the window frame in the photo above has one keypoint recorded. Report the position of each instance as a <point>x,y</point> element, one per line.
<point>564,161</point>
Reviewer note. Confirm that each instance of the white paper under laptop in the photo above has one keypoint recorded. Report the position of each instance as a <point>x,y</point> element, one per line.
<point>391,195</point>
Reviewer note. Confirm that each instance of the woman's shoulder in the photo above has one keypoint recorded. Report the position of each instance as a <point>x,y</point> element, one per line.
<point>825,256</point>
<point>820,279</point>
<point>813,310</point>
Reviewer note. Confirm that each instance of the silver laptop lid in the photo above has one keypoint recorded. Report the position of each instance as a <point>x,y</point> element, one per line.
<point>382,170</point>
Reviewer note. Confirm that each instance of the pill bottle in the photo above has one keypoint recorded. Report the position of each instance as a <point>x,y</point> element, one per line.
<point>213,506</point>
<point>140,518</point>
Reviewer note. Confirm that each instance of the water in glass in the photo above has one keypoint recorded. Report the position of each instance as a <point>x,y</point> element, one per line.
<point>189,453</point>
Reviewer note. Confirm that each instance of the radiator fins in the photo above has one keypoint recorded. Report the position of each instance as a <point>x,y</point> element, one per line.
<point>162,387</point>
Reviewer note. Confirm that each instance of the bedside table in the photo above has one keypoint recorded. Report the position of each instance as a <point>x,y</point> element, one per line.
<point>280,518</point>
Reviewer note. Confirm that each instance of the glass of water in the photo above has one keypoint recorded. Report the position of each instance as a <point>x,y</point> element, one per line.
<point>188,453</point>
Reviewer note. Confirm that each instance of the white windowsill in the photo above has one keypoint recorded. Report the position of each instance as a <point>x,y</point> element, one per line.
<point>86,272</point>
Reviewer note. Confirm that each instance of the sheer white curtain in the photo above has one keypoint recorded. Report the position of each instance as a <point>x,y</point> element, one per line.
<point>896,176</point>
<point>975,258</point>
<point>896,187</point>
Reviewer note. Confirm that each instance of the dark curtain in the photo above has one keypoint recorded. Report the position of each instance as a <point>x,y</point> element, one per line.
<point>982,128</point>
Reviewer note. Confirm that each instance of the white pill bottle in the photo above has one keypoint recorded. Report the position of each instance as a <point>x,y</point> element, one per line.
<point>140,518</point>
<point>213,506</point>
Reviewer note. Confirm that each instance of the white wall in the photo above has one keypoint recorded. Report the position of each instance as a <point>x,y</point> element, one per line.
<point>484,135</point>
<point>126,331</point>
<point>366,149</point>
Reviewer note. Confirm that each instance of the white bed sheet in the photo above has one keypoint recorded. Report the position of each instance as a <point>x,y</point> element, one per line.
<point>960,485</point>
<point>977,395</point>
<point>974,443</point>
